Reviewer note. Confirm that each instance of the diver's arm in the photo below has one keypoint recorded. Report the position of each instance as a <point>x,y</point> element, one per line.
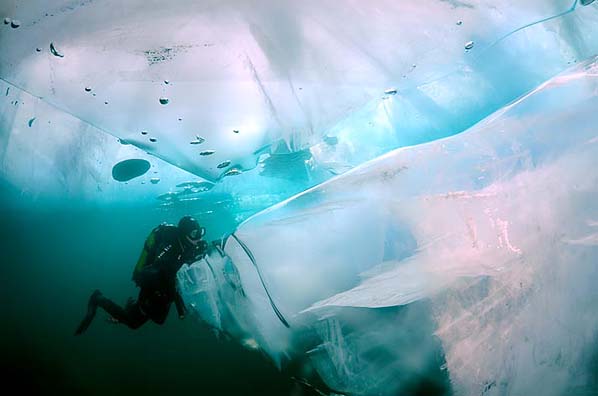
<point>202,250</point>
<point>180,304</point>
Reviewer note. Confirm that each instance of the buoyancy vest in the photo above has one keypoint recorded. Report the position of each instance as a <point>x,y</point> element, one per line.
<point>161,254</point>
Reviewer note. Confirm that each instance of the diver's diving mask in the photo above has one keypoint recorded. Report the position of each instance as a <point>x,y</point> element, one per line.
<point>195,235</point>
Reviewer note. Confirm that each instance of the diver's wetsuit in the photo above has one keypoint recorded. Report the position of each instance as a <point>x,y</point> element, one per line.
<point>155,273</point>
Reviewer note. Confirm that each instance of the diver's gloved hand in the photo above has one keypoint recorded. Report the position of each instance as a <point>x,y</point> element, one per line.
<point>180,305</point>
<point>202,249</point>
<point>196,253</point>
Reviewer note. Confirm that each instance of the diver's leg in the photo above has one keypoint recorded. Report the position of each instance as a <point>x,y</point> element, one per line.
<point>155,304</point>
<point>160,313</point>
<point>132,316</point>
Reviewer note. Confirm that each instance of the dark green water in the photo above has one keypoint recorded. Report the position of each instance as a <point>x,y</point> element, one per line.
<point>52,259</point>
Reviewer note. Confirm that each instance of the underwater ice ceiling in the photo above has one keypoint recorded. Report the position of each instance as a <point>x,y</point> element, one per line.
<point>213,87</point>
<point>480,242</point>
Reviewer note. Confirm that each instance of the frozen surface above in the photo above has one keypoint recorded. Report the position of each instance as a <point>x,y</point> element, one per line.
<point>240,79</point>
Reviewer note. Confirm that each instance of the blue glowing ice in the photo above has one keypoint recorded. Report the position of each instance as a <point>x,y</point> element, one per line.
<point>489,235</point>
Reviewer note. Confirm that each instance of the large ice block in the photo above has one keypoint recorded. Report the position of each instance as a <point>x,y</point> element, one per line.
<point>489,237</point>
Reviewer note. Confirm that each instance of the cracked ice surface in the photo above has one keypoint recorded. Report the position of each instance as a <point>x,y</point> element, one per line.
<point>494,228</point>
<point>243,76</point>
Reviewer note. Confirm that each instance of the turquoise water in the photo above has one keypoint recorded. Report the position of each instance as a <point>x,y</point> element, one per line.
<point>52,260</point>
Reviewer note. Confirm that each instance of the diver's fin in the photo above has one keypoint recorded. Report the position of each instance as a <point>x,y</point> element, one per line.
<point>92,306</point>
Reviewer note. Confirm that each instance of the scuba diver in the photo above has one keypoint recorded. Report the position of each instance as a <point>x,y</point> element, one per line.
<point>166,249</point>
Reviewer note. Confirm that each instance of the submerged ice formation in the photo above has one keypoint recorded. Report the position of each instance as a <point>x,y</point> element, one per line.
<point>488,240</point>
